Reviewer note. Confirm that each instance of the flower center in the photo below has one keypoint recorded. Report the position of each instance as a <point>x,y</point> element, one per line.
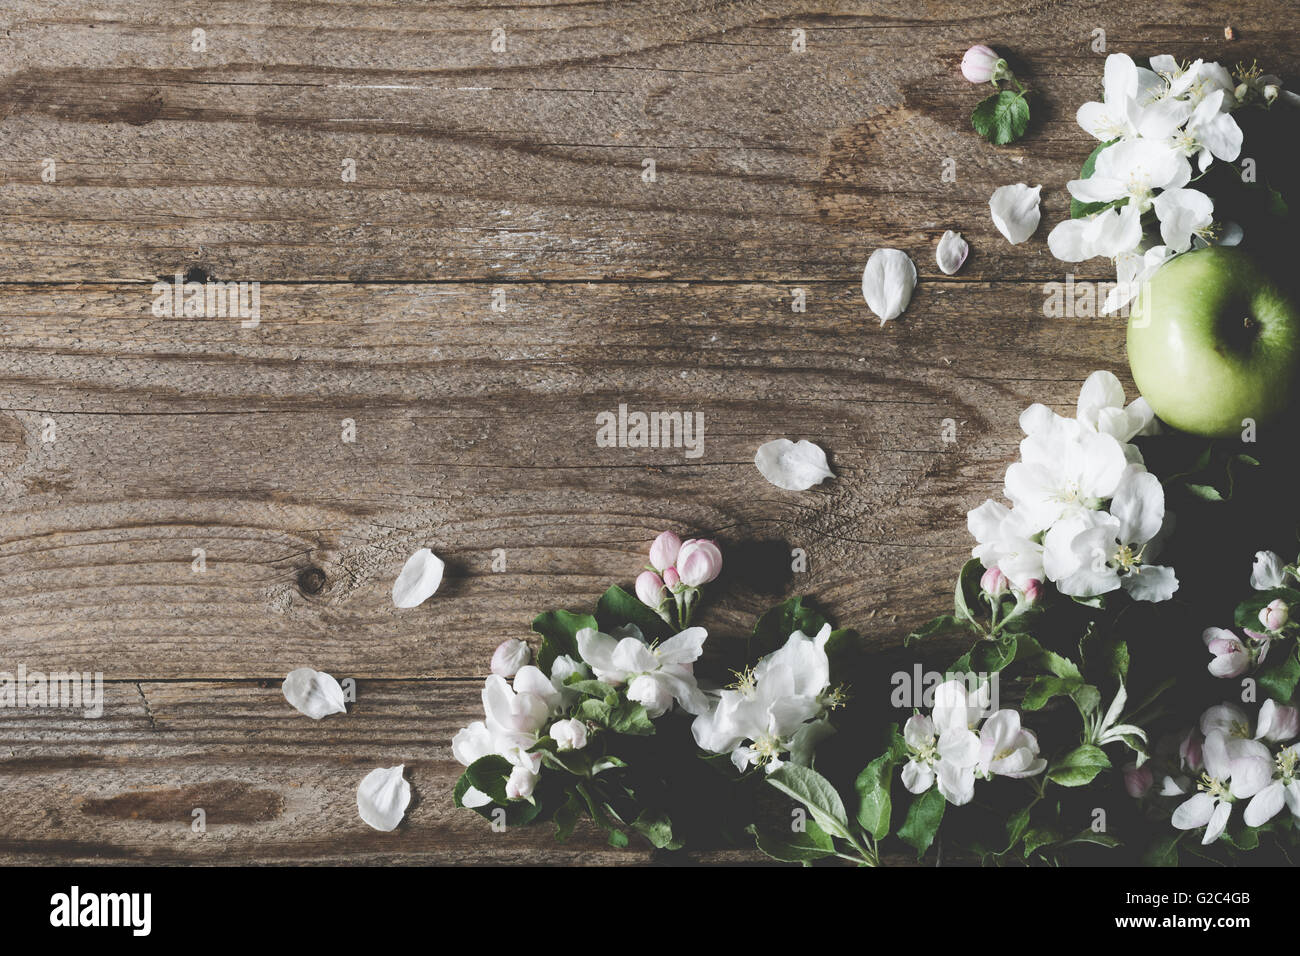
<point>767,748</point>
<point>1213,786</point>
<point>1286,764</point>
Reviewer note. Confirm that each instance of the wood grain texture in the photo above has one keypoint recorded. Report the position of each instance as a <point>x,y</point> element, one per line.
<point>475,429</point>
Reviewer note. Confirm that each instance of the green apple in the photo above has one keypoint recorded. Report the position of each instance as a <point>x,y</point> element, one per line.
<point>1213,340</point>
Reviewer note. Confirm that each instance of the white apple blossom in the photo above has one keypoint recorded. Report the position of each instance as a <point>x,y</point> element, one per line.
<point>778,707</point>
<point>1126,88</point>
<point>1101,408</point>
<point>1006,749</point>
<point>1232,656</point>
<point>1211,133</point>
<point>1064,470</point>
<point>1133,270</point>
<point>1007,542</point>
<point>1184,214</point>
<point>1132,170</point>
<point>1277,723</point>
<point>1093,552</point>
<point>1282,790</point>
<point>568,734</point>
<point>656,675</point>
<point>948,759</point>
<point>1234,770</point>
<point>1108,233</point>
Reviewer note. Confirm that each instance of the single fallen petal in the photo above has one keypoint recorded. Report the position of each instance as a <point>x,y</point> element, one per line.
<point>792,466</point>
<point>887,283</point>
<point>314,693</point>
<point>420,577</point>
<point>383,796</point>
<point>1015,211</point>
<point>951,253</point>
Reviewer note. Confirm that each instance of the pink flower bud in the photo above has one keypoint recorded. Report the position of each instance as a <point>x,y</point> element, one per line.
<point>1033,591</point>
<point>1277,723</point>
<point>699,562</point>
<point>1138,780</point>
<point>510,655</point>
<point>663,552</point>
<point>994,583</point>
<point>1275,616</point>
<point>977,65</point>
<point>1189,751</point>
<point>650,589</point>
<point>671,577</point>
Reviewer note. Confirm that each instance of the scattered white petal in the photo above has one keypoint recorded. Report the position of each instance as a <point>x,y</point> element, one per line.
<point>792,466</point>
<point>1015,211</point>
<point>887,283</point>
<point>420,577</point>
<point>951,253</point>
<point>383,796</point>
<point>314,693</point>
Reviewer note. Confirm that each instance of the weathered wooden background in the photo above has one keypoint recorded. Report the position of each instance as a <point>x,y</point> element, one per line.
<point>475,429</point>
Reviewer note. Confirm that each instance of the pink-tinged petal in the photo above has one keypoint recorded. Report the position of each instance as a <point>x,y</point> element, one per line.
<point>1194,813</point>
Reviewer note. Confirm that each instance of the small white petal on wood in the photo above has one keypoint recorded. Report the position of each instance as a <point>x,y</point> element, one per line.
<point>314,693</point>
<point>887,283</point>
<point>419,579</point>
<point>794,466</point>
<point>382,797</point>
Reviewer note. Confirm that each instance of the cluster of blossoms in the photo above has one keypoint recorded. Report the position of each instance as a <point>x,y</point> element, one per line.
<point>537,706</point>
<point>1233,656</point>
<point>1086,515</point>
<point>950,748</point>
<point>780,706</point>
<point>1161,128</point>
<point>1234,764</point>
<point>670,584</point>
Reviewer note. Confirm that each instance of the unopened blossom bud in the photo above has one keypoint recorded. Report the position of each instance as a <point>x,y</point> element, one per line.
<point>650,589</point>
<point>510,655</point>
<point>994,583</point>
<point>1033,591</point>
<point>1241,91</point>
<point>1270,93</point>
<point>1189,751</point>
<point>978,63</point>
<point>651,694</point>
<point>671,577</point>
<point>1138,780</point>
<point>663,552</point>
<point>569,734</point>
<point>1275,615</point>
<point>699,562</point>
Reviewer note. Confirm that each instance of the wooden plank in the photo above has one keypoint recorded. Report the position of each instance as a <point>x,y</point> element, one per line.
<point>473,165</point>
<point>477,431</point>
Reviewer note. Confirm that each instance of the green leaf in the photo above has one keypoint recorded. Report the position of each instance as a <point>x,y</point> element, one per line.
<point>559,630</point>
<point>490,774</point>
<point>1205,492</point>
<point>873,788</point>
<point>816,793</point>
<point>1279,677</point>
<point>778,623</point>
<point>967,594</point>
<point>1163,850</point>
<point>1045,688</point>
<point>813,843</point>
<point>657,828</point>
<point>1036,838</point>
<point>1079,209</point>
<point>1079,766</point>
<point>631,718</point>
<point>922,822</point>
<point>1001,118</point>
<point>617,608</point>
<point>566,818</point>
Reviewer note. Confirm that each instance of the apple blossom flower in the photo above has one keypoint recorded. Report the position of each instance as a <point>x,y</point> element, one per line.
<point>1108,232</point>
<point>1101,408</point>
<point>568,734</point>
<point>1211,133</point>
<point>663,551</point>
<point>1234,770</point>
<point>1094,552</point>
<point>1126,86</point>
<point>1138,780</point>
<point>1232,657</point>
<point>1184,214</point>
<point>510,655</point>
<point>523,780</point>
<point>698,562</point>
<point>978,63</point>
<point>1005,540</point>
<point>1007,749</point>
<point>1268,572</point>
<point>1277,723</point>
<point>779,707</point>
<point>650,590</point>
<point>1064,469</point>
<point>1275,615</point>
<point>1132,170</point>
<point>1282,790</point>
<point>1133,271</point>
<point>948,758</point>
<point>657,675</point>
